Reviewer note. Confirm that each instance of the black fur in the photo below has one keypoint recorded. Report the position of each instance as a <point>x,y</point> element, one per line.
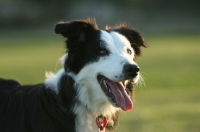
<point>82,37</point>
<point>34,108</point>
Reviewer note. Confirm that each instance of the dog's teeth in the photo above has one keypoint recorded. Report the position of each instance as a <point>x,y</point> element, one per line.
<point>104,81</point>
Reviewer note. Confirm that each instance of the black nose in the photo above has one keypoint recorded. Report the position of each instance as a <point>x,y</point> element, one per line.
<point>131,70</point>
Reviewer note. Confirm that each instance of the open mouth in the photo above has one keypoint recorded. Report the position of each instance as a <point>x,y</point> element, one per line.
<point>116,93</point>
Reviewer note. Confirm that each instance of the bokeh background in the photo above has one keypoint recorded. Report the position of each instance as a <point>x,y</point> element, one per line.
<point>169,101</point>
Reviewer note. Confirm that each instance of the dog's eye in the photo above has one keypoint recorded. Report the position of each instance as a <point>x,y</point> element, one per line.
<point>103,52</point>
<point>129,51</point>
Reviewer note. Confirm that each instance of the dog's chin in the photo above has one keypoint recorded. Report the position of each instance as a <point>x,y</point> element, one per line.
<point>115,92</point>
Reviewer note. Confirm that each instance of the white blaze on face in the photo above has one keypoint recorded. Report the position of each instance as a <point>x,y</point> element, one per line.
<point>117,45</point>
<point>122,44</point>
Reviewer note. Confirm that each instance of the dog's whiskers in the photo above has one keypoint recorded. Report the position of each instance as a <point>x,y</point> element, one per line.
<point>141,82</point>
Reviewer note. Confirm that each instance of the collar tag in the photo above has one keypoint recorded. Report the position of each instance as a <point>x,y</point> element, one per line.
<point>101,122</point>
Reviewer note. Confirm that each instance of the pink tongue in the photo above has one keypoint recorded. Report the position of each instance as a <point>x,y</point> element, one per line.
<point>121,96</point>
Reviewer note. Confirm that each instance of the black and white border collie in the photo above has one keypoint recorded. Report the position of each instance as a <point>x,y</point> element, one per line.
<point>97,80</point>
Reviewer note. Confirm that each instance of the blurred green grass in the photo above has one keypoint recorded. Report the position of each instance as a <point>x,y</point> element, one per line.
<point>170,101</point>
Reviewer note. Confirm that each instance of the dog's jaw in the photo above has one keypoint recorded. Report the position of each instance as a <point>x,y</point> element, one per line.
<point>116,93</point>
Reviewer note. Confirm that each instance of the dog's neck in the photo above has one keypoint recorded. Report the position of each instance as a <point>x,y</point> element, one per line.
<point>86,121</point>
<point>86,108</point>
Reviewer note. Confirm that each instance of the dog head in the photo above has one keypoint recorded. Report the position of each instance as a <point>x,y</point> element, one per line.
<point>102,60</point>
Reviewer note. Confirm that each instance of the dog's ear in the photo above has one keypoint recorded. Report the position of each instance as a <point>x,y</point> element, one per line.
<point>76,29</point>
<point>133,36</point>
